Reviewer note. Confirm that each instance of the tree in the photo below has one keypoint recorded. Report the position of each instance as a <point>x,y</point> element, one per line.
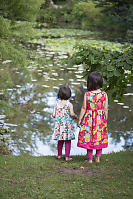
<point>121,11</point>
<point>12,31</point>
<point>20,10</point>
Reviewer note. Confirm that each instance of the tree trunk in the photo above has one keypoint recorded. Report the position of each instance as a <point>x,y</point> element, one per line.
<point>69,1</point>
<point>51,3</point>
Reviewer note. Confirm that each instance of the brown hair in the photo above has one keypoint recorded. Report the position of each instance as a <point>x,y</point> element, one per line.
<point>64,93</point>
<point>94,81</point>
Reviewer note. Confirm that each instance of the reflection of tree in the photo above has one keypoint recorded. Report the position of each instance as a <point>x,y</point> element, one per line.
<point>120,123</point>
<point>32,120</point>
<point>129,142</point>
<point>78,99</point>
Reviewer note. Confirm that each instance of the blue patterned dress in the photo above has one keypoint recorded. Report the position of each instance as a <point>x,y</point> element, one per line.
<point>63,123</point>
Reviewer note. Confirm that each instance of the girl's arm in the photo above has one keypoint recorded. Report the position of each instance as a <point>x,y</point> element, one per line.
<point>83,110</point>
<point>73,115</point>
<point>54,111</point>
<point>106,106</point>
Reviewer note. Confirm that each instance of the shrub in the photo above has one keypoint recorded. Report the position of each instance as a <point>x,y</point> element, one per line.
<point>86,14</point>
<point>114,62</point>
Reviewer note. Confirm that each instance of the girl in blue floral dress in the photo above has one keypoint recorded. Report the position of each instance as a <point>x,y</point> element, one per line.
<point>63,113</point>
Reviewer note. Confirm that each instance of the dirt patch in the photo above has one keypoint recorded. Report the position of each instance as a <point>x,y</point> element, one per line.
<point>76,171</point>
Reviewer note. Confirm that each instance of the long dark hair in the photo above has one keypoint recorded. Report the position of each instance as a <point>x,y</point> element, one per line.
<point>94,81</point>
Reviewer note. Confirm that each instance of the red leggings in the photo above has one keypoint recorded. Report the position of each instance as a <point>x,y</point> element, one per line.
<point>90,153</point>
<point>67,147</point>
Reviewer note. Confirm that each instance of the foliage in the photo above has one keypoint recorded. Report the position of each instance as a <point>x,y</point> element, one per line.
<point>5,24</point>
<point>20,10</point>
<point>15,55</point>
<point>121,11</point>
<point>115,7</point>
<point>54,16</point>
<point>12,32</point>
<point>46,177</point>
<point>81,15</point>
<point>4,144</point>
<point>114,63</point>
<point>78,13</point>
<point>86,14</point>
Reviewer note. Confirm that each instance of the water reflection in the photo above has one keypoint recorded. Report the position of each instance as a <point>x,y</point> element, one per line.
<point>33,95</point>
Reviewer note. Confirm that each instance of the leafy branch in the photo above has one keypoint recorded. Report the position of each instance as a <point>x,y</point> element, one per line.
<point>114,64</point>
<point>4,144</point>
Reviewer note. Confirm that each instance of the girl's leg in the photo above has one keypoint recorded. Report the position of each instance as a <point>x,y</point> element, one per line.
<point>98,155</point>
<point>90,155</point>
<point>67,149</point>
<point>60,146</point>
<point>98,152</point>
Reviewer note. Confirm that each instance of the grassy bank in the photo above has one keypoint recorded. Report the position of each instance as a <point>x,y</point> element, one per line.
<point>26,177</point>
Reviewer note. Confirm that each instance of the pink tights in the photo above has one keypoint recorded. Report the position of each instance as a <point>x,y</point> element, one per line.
<point>67,147</point>
<point>90,153</point>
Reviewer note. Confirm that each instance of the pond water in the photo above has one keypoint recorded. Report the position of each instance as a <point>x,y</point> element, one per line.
<point>32,98</point>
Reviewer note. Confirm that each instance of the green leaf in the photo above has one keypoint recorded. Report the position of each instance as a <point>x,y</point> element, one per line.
<point>117,73</point>
<point>110,68</point>
<point>110,74</point>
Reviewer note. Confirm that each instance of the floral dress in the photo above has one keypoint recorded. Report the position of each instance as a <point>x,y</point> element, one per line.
<point>63,123</point>
<point>93,131</point>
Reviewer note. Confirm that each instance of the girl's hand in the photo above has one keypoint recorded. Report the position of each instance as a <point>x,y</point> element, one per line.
<point>54,111</point>
<point>75,117</point>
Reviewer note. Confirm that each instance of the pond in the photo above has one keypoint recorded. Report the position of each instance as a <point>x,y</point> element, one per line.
<point>31,100</point>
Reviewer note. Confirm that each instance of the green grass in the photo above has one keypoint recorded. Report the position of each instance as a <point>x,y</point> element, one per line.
<point>27,177</point>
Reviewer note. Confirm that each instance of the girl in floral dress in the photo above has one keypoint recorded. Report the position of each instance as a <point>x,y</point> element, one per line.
<point>94,111</point>
<point>63,113</point>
